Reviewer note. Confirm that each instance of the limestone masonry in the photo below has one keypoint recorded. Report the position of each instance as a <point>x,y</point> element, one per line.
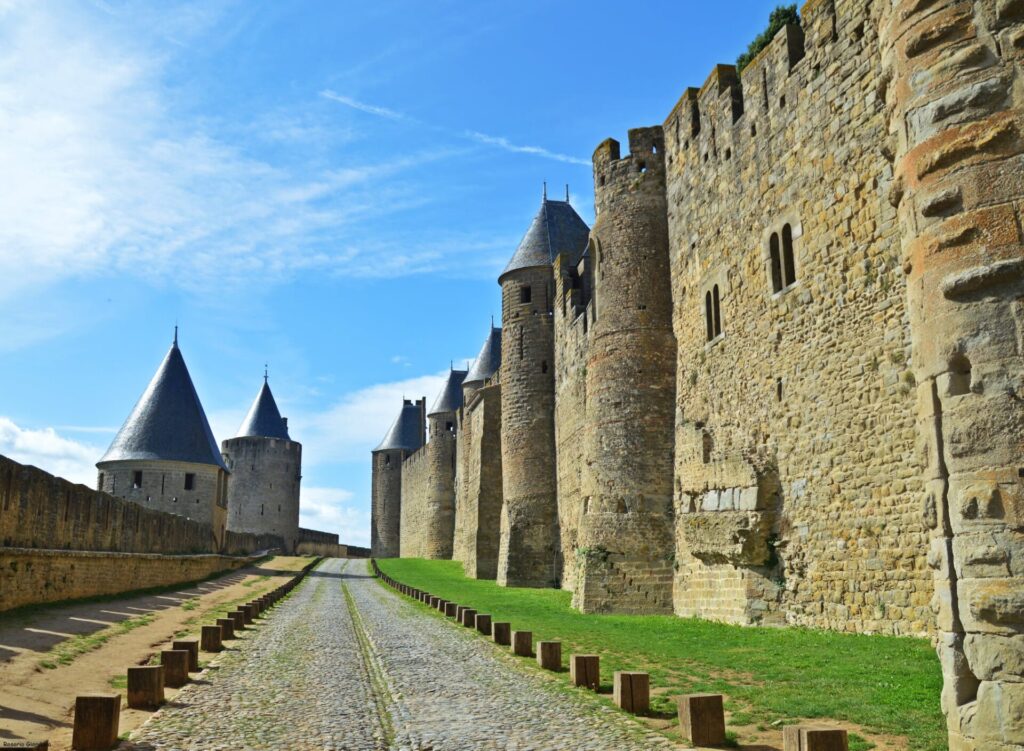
<point>781,379</point>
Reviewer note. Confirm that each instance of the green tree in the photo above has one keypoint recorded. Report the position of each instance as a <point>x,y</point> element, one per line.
<point>782,15</point>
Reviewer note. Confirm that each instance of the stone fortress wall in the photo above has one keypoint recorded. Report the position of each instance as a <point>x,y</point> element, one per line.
<point>263,492</point>
<point>428,495</point>
<point>787,371</point>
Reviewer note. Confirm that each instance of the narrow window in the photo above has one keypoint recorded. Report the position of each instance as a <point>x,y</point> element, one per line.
<point>387,460</point>
<point>778,389</point>
<point>787,254</point>
<point>101,481</point>
<point>718,313</point>
<point>261,509</point>
<point>764,87</point>
<point>707,445</point>
<point>776,262</point>
<point>137,480</point>
<point>279,508</point>
<point>708,316</point>
<point>543,366</point>
<point>449,425</point>
<point>525,294</point>
<point>190,481</point>
<point>163,481</point>
<point>782,102</point>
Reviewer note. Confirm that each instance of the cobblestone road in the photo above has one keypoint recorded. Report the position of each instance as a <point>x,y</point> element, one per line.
<point>346,664</point>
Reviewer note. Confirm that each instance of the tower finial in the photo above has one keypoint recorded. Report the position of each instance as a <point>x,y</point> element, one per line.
<point>266,372</point>
<point>567,192</point>
<point>175,334</point>
<point>492,320</point>
<point>545,190</point>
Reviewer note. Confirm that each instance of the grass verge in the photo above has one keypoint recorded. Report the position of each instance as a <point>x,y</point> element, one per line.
<point>885,684</point>
<point>68,650</point>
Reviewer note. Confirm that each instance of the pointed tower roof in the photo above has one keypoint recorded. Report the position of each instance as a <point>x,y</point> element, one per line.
<point>168,422</point>
<point>450,398</point>
<point>264,419</point>
<point>406,432</point>
<point>557,228</point>
<point>488,361</point>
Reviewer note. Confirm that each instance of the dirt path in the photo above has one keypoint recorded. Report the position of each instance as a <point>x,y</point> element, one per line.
<point>37,701</point>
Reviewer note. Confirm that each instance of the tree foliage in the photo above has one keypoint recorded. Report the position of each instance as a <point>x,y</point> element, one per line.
<point>782,15</point>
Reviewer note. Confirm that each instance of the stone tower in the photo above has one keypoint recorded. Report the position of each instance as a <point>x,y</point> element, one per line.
<point>478,491</point>
<point>626,530</point>
<point>165,456</point>
<point>266,469</point>
<point>955,101</point>
<point>407,434</point>
<point>529,553</point>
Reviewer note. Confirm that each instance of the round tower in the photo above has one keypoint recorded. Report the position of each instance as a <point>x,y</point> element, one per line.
<point>165,457</point>
<point>266,470</point>
<point>438,533</point>
<point>954,94</point>
<point>407,435</point>
<point>626,532</point>
<point>485,365</point>
<point>529,553</point>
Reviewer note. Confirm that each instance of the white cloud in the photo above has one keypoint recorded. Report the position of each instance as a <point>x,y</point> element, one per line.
<point>503,143</point>
<point>331,510</point>
<point>351,427</point>
<point>49,451</point>
<point>363,106</point>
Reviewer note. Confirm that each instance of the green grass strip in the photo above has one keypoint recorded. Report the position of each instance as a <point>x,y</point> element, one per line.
<point>885,684</point>
<point>70,649</point>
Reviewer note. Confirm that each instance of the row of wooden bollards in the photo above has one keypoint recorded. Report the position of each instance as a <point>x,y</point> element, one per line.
<point>97,716</point>
<point>701,716</point>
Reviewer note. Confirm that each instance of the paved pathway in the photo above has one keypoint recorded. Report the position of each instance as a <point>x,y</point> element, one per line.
<point>347,664</point>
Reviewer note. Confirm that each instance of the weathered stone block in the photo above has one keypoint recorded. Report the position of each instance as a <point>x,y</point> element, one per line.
<point>737,537</point>
<point>702,719</point>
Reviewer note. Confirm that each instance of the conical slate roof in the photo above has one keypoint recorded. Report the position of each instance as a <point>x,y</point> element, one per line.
<point>450,398</point>
<point>406,432</point>
<point>557,228</point>
<point>264,419</point>
<point>168,422</point>
<point>488,361</point>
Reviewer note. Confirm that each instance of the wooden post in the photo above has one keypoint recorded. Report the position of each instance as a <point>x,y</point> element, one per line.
<point>192,647</point>
<point>239,618</point>
<point>145,686</point>
<point>814,738</point>
<point>246,611</point>
<point>702,719</point>
<point>450,609</point>
<point>175,665</point>
<point>522,643</point>
<point>97,722</point>
<point>483,623</point>
<point>227,627</point>
<point>632,691</point>
<point>502,633</point>
<point>469,617</point>
<point>585,671</point>
<point>549,655</point>
<point>459,610</point>
<point>211,639</point>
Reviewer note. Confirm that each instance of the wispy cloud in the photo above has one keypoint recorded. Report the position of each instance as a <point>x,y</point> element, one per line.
<point>499,142</point>
<point>48,450</point>
<point>333,510</point>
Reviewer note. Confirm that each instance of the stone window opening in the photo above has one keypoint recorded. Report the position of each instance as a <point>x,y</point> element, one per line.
<point>708,319</point>
<point>136,479</point>
<point>101,481</point>
<point>163,483</point>
<point>718,313</point>
<point>261,509</point>
<point>174,500</point>
<point>449,426</point>
<point>190,481</point>
<point>279,508</point>
<point>778,389</point>
<point>776,260</point>
<point>764,87</point>
<point>788,262</point>
<point>543,366</point>
<point>753,129</point>
<point>387,460</point>
<point>197,501</point>
<point>707,445</point>
<point>525,294</point>
<point>959,375</point>
<point>728,154</point>
<point>642,166</point>
<point>782,102</point>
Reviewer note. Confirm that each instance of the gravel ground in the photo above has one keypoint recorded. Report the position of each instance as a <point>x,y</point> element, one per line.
<point>347,664</point>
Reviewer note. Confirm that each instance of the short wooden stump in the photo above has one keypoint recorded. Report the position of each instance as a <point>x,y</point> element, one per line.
<point>522,643</point>
<point>632,691</point>
<point>192,647</point>
<point>175,665</point>
<point>702,719</point>
<point>227,627</point>
<point>549,655</point>
<point>239,619</point>
<point>450,609</point>
<point>483,623</point>
<point>247,614</point>
<point>469,617</point>
<point>502,633</point>
<point>145,686</point>
<point>433,601</point>
<point>585,671</point>
<point>211,639</point>
<point>814,738</point>
<point>97,721</point>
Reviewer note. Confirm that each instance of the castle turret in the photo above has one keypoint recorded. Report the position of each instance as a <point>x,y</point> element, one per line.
<point>485,365</point>
<point>626,530</point>
<point>165,457</point>
<point>955,100</point>
<point>407,434</point>
<point>529,554</point>
<point>266,469</point>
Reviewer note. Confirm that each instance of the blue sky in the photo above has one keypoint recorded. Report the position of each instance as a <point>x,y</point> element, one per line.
<point>331,187</point>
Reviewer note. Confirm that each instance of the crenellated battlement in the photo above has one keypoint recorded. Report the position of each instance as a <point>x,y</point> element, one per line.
<point>614,173</point>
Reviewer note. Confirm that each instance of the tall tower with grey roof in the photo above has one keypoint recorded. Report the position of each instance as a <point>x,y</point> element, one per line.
<point>165,457</point>
<point>529,553</point>
<point>406,435</point>
<point>266,471</point>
